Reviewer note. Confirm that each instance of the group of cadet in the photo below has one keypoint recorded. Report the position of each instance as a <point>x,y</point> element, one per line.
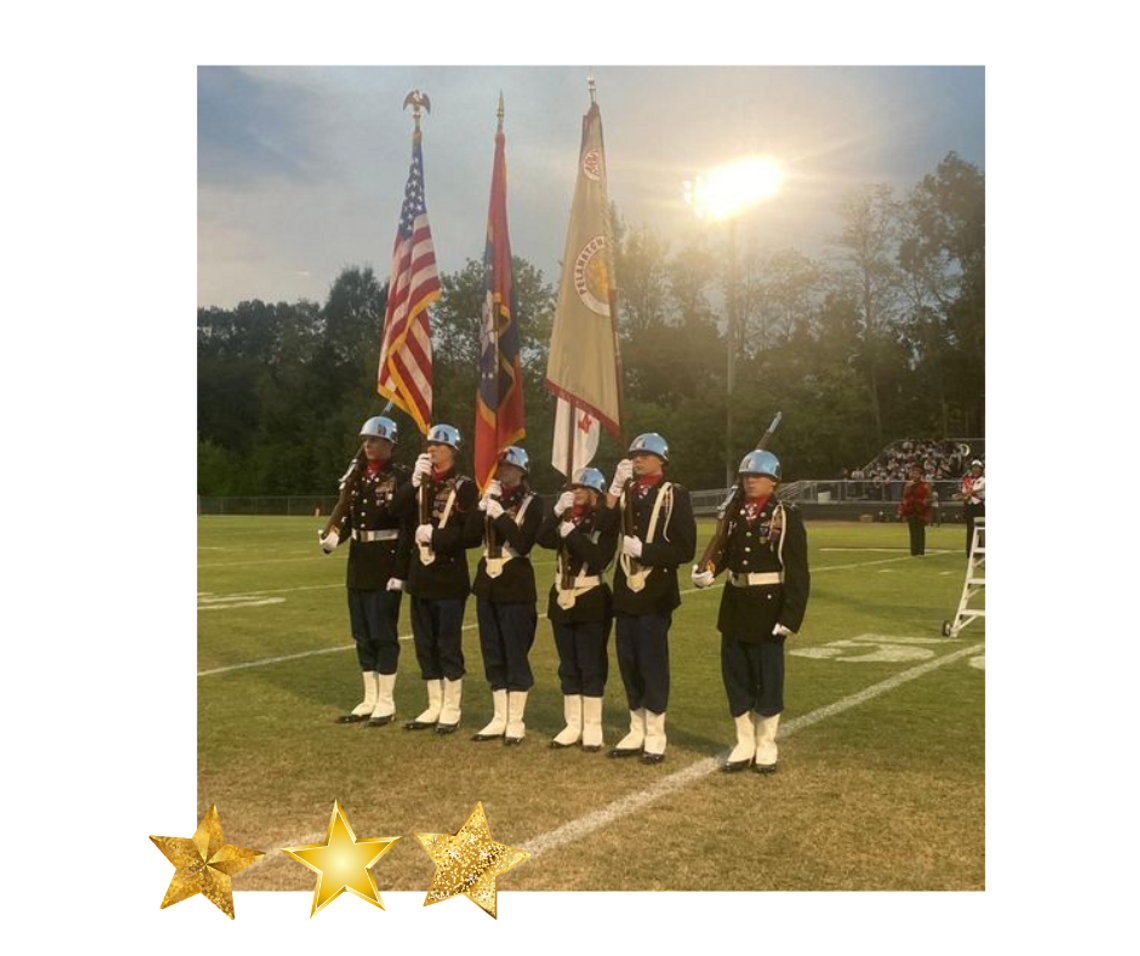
<point>410,531</point>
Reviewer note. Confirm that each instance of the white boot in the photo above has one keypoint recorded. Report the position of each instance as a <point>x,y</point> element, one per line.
<point>498,725</point>
<point>362,710</point>
<point>435,703</point>
<point>630,745</point>
<point>592,724</point>
<point>516,709</point>
<point>449,714</point>
<point>766,743</point>
<point>654,738</point>
<point>572,710</point>
<point>744,752</point>
<point>385,708</point>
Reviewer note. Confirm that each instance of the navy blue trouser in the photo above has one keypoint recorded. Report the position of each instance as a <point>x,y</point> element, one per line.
<point>753,675</point>
<point>506,633</point>
<point>583,659</point>
<point>437,627</point>
<point>373,616</point>
<point>643,659</point>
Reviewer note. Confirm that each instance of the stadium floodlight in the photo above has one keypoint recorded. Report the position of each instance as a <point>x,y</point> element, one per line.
<point>728,190</point>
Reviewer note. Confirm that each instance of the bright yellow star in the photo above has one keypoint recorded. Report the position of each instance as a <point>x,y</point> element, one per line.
<point>468,863</point>
<point>342,862</point>
<point>204,864</point>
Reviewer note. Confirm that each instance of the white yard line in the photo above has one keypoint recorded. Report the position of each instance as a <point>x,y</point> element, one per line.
<point>576,829</point>
<point>895,550</point>
<point>407,637</point>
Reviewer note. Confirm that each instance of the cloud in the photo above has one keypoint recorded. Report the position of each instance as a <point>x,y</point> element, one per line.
<point>250,128</point>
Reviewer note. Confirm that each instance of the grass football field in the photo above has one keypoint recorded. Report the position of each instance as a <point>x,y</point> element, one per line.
<point>882,754</point>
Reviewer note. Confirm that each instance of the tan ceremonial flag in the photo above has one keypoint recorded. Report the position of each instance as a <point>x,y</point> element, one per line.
<point>584,361</point>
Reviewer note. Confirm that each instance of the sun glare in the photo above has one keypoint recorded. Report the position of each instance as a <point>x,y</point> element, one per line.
<point>727,190</point>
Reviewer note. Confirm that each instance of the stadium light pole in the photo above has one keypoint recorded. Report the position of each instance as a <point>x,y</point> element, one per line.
<point>720,195</point>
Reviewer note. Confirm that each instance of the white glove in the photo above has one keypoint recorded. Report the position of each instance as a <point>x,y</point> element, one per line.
<point>329,541</point>
<point>495,488</point>
<point>780,631</point>
<point>395,584</point>
<point>564,503</point>
<point>483,503</point>
<point>702,579</point>
<point>622,473</point>
<point>494,509</point>
<point>422,469</point>
<point>565,528</point>
<point>423,534</point>
<point>631,546</point>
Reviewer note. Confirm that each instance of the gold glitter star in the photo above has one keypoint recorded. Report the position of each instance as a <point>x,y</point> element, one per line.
<point>342,862</point>
<point>204,864</point>
<point>468,863</point>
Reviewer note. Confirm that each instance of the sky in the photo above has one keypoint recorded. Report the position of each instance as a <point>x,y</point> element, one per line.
<point>301,170</point>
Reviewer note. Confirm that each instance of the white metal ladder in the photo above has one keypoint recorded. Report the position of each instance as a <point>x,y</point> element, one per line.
<point>974,585</point>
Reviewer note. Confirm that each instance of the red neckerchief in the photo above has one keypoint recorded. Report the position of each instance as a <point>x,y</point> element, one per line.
<point>753,507</point>
<point>580,512</point>
<point>438,477</point>
<point>642,485</point>
<point>375,467</point>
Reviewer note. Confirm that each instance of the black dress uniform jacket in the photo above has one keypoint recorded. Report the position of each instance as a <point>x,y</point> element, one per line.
<point>748,614</point>
<point>447,576</point>
<point>372,563</point>
<point>584,554</point>
<point>516,584</point>
<point>674,544</point>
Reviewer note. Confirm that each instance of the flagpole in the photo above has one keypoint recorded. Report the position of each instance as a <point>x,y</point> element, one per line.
<point>573,414</point>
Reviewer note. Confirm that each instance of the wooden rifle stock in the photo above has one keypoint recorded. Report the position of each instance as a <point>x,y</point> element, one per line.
<point>343,502</point>
<point>716,547</point>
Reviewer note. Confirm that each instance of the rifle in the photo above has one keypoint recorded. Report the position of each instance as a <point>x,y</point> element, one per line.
<point>347,484</point>
<point>715,550</point>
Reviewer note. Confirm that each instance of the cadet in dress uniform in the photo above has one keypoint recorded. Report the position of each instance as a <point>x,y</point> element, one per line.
<point>762,603</point>
<point>377,567</point>
<point>438,581</point>
<point>973,497</point>
<point>580,608</point>
<point>645,588</point>
<point>505,594</point>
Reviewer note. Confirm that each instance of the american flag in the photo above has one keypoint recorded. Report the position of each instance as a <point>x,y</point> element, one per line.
<point>405,356</point>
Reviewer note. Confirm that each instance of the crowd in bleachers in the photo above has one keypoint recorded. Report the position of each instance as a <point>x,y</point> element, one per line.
<point>940,460</point>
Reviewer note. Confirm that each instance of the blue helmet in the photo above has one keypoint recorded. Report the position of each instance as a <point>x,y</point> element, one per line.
<point>650,442</point>
<point>589,478</point>
<point>513,455</point>
<point>445,435</point>
<point>379,427</point>
<point>760,463</point>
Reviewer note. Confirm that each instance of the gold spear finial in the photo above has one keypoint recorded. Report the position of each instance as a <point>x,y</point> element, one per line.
<point>501,112</point>
<point>593,87</point>
<point>417,100</point>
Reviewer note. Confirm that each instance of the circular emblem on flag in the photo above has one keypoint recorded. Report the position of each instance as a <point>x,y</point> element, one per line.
<point>592,165</point>
<point>591,280</point>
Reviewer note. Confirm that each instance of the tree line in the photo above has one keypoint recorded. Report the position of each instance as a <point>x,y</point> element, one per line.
<point>880,337</point>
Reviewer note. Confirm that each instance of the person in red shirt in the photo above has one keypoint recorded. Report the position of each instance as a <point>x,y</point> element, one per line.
<point>915,507</point>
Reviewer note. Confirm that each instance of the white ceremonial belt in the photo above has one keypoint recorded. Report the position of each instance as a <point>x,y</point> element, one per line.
<point>388,534</point>
<point>584,584</point>
<point>748,580</point>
